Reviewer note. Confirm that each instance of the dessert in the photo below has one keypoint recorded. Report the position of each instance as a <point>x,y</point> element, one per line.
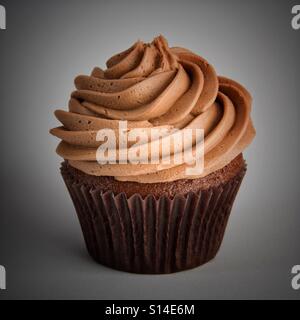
<point>145,217</point>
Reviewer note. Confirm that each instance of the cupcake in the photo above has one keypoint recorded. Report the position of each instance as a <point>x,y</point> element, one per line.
<point>146,217</point>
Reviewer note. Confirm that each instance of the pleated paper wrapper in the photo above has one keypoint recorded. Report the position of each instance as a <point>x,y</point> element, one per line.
<point>153,235</point>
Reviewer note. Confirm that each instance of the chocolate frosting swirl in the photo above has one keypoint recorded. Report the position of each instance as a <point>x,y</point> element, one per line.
<point>152,85</point>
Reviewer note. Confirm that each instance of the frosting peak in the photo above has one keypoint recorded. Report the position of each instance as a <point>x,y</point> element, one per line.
<point>142,60</point>
<point>151,85</point>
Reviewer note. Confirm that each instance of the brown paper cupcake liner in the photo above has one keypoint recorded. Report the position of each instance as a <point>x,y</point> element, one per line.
<point>150,235</point>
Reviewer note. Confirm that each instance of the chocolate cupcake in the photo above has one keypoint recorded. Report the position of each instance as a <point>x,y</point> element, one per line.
<point>153,217</point>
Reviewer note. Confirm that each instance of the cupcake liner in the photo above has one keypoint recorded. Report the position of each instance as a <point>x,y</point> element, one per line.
<point>153,235</point>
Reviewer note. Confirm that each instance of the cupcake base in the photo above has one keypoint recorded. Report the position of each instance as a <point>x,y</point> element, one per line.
<point>155,232</point>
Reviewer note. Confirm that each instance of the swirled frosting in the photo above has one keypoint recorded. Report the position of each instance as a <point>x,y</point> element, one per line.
<point>152,85</point>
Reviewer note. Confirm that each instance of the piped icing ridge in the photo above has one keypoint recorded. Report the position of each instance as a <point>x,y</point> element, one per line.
<point>152,85</point>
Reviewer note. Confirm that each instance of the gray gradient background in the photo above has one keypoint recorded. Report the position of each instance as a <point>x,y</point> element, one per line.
<point>48,43</point>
